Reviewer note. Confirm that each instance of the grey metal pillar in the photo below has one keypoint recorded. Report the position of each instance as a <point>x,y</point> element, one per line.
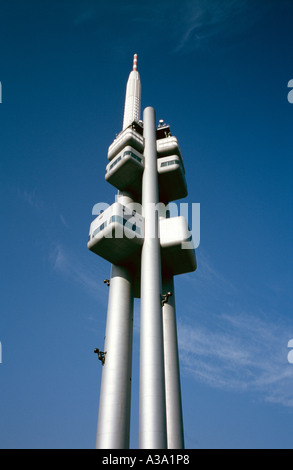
<point>114,408</point>
<point>175,434</point>
<point>152,404</point>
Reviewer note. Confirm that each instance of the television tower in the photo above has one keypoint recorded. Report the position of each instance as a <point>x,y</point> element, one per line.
<point>144,245</point>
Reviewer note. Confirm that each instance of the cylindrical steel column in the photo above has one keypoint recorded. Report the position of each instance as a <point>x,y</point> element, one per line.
<point>175,435</point>
<point>152,404</point>
<point>114,408</point>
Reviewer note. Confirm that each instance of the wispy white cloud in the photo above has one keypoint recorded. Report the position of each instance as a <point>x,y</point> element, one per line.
<point>181,26</point>
<point>80,273</point>
<point>210,287</point>
<point>241,352</point>
<point>63,221</point>
<point>233,344</point>
<point>30,197</point>
<point>203,20</point>
<point>208,273</point>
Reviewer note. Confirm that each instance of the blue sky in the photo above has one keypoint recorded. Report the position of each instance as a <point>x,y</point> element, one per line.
<point>217,72</point>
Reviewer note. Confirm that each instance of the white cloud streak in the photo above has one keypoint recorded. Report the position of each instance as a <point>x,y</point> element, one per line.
<point>186,25</point>
<point>30,197</point>
<point>203,20</point>
<point>81,274</point>
<point>240,352</point>
<point>231,344</point>
<point>191,24</point>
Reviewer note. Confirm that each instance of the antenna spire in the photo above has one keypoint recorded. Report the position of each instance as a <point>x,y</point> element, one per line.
<point>135,62</point>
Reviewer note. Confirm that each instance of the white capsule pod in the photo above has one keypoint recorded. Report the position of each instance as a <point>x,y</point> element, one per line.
<point>125,171</point>
<point>117,234</point>
<point>132,136</point>
<point>177,248</point>
<point>172,182</point>
<point>168,146</point>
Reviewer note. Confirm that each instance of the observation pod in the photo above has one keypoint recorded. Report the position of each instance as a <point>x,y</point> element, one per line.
<point>172,182</point>
<point>168,146</point>
<point>125,171</point>
<point>132,135</point>
<point>177,248</point>
<point>117,235</point>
